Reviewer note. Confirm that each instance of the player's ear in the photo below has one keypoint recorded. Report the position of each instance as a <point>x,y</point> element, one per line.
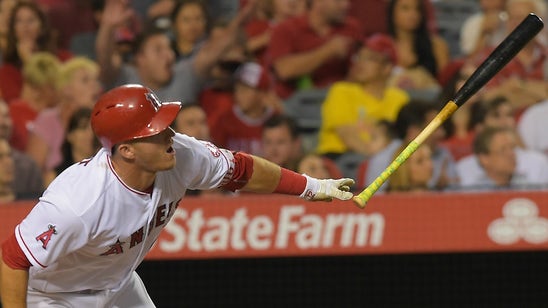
<point>126,150</point>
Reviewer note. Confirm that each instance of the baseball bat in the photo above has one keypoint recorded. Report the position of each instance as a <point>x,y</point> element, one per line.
<point>499,57</point>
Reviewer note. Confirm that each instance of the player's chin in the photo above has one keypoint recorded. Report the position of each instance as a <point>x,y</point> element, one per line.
<point>167,164</point>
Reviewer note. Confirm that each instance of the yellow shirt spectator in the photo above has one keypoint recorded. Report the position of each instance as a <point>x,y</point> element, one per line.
<point>348,104</point>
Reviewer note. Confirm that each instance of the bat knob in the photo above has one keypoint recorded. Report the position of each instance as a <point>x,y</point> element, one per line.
<point>359,201</point>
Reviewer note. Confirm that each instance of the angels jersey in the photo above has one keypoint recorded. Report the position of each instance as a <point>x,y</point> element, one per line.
<point>90,231</point>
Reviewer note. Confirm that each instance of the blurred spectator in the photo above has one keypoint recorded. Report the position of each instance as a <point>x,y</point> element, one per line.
<point>498,162</point>
<point>153,59</point>
<point>460,130</point>
<point>532,127</point>
<point>68,17</point>
<point>484,29</point>
<point>83,43</point>
<point>497,112</point>
<point>241,127</point>
<point>189,26</point>
<point>222,9</point>
<point>192,121</point>
<point>28,32</point>
<point>411,120</point>
<point>269,14</point>
<point>374,13</point>
<point>79,141</point>
<point>281,142</point>
<point>421,54</point>
<point>313,50</point>
<point>317,166</point>
<point>216,94</point>
<point>415,173</point>
<point>351,108</point>
<point>6,7</point>
<point>40,77</point>
<point>156,11</point>
<point>78,86</point>
<point>28,178</point>
<point>523,80</point>
<point>7,172</point>
<point>382,135</point>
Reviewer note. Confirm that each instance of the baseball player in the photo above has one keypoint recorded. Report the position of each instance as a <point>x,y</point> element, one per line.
<point>94,224</point>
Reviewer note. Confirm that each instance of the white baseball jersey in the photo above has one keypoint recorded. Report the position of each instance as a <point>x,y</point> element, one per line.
<point>90,231</point>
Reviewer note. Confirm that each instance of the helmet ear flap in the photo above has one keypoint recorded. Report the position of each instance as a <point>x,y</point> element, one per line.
<point>129,112</point>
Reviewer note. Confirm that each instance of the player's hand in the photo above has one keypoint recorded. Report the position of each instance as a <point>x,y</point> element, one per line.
<point>326,190</point>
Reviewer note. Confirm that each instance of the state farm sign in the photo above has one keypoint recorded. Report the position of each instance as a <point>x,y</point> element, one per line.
<point>292,227</point>
<point>274,226</point>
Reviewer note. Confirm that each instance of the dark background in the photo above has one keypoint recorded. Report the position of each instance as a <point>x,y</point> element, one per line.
<point>420,280</point>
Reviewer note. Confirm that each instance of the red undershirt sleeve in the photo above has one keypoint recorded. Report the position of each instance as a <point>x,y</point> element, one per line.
<point>13,256</point>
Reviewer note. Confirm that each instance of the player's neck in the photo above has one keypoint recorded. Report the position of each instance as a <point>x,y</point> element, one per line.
<point>132,176</point>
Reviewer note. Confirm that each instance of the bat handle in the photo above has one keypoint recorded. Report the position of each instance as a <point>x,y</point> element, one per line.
<point>361,199</point>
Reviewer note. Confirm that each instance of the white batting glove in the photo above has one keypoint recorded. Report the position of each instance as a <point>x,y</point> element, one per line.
<point>326,190</point>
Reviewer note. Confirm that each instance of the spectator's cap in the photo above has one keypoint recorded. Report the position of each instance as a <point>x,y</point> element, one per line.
<point>253,75</point>
<point>383,44</point>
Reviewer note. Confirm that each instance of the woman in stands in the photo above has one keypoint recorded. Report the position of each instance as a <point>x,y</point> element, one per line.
<point>190,27</point>
<point>421,54</point>
<point>28,32</point>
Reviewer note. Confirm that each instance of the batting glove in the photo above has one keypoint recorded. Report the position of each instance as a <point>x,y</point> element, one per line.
<point>326,190</point>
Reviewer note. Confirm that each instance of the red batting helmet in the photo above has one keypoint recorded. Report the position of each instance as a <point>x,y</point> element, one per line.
<point>130,112</point>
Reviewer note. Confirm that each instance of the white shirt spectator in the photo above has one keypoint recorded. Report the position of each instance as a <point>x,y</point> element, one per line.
<point>531,172</point>
<point>532,127</point>
<point>471,31</point>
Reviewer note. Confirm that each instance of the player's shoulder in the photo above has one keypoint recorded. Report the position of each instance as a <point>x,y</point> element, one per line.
<point>188,148</point>
<point>82,183</point>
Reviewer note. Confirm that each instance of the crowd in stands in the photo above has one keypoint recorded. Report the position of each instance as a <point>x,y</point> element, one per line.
<point>366,76</point>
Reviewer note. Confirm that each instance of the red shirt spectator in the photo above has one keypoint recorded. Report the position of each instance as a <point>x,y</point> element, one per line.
<point>240,128</point>
<point>375,12</point>
<point>254,28</point>
<point>313,49</point>
<point>517,68</point>
<point>11,79</point>
<point>22,115</point>
<point>215,103</point>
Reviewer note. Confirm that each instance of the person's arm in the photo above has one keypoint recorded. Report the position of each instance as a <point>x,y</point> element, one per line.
<point>37,149</point>
<point>350,136</point>
<point>255,174</point>
<point>521,93</point>
<point>294,65</point>
<point>441,52</point>
<point>115,13</point>
<point>213,49</point>
<point>13,287</point>
<point>13,275</point>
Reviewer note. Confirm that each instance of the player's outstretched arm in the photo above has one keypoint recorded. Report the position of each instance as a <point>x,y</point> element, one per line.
<point>267,177</point>
<point>13,286</point>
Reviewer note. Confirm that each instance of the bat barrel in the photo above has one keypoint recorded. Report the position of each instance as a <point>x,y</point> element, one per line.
<point>499,57</point>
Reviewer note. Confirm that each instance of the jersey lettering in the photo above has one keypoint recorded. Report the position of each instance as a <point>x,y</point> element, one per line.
<point>45,236</point>
<point>85,162</point>
<point>136,237</point>
<point>115,249</point>
<point>214,150</point>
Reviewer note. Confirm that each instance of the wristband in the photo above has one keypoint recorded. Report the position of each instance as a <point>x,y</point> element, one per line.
<point>291,183</point>
<point>311,189</point>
